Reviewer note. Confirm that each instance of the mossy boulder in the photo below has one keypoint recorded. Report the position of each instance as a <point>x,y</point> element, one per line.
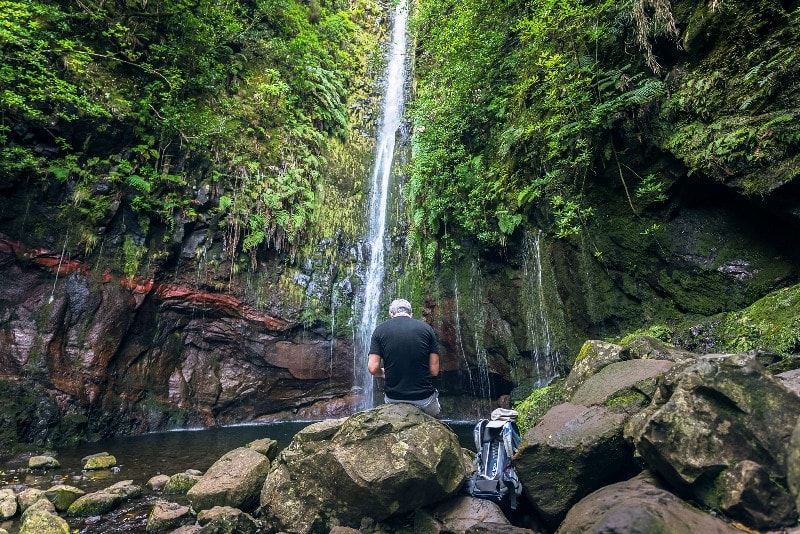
<point>43,522</point>
<point>62,496</point>
<point>223,519</point>
<point>266,446</point>
<point>593,356</point>
<point>533,408</point>
<point>101,460</point>
<point>8,504</point>
<point>620,383</point>
<point>233,480</point>
<point>377,463</point>
<point>105,500</point>
<point>573,451</point>
<point>180,483</point>
<point>43,462</point>
<point>710,415</point>
<point>29,496</point>
<point>168,516</point>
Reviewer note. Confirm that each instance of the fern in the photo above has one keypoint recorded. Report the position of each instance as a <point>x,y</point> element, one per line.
<point>140,184</point>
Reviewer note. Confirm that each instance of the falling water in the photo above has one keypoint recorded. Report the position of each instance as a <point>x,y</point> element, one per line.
<point>393,103</point>
<point>545,354</point>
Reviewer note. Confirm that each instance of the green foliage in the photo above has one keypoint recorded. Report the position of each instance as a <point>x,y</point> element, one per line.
<point>251,91</point>
<point>516,105</point>
<point>537,404</point>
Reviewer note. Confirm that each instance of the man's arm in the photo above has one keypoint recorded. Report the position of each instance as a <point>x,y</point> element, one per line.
<point>433,363</point>
<point>375,369</point>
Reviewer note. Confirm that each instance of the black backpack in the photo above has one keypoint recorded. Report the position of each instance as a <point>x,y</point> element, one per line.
<point>496,440</point>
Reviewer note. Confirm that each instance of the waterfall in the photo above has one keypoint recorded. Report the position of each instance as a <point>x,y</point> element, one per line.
<point>545,354</point>
<point>393,103</point>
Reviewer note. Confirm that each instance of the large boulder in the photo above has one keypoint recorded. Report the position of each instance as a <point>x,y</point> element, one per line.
<point>457,515</point>
<point>105,500</point>
<point>167,515</point>
<point>706,418</point>
<point>377,463</point>
<point>234,480</point>
<point>593,356</point>
<point>573,451</point>
<point>227,520</point>
<point>8,504</point>
<point>640,505</point>
<point>43,522</point>
<point>62,496</point>
<point>623,386</point>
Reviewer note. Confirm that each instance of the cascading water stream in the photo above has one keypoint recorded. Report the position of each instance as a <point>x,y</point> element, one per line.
<point>393,104</point>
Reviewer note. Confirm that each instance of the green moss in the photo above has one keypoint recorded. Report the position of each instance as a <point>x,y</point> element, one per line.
<point>658,331</point>
<point>538,403</point>
<point>627,401</point>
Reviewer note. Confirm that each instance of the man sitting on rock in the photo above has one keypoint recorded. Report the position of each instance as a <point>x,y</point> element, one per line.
<point>410,356</point>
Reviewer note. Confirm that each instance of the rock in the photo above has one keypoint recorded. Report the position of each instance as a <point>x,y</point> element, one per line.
<point>27,497</point>
<point>41,505</point>
<point>43,462</point>
<point>180,483</point>
<point>101,460</point>
<point>168,515</point>
<point>226,520</point>
<point>628,384</point>
<point>650,348</point>
<point>457,515</point>
<point>346,530</point>
<point>790,379</point>
<point>497,528</point>
<point>187,529</point>
<point>793,465</point>
<point>640,505</point>
<point>266,446</point>
<point>573,451</point>
<point>43,522</point>
<point>63,496</point>
<point>234,480</point>
<point>747,492</point>
<point>8,504</point>
<point>377,463</point>
<point>100,502</point>
<point>711,414</point>
<point>157,482</point>
<point>593,356</point>
<point>194,472</point>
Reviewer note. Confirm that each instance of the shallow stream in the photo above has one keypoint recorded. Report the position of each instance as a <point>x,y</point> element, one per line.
<point>141,457</point>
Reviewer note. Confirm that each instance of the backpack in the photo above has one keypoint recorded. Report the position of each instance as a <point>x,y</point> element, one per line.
<point>496,440</point>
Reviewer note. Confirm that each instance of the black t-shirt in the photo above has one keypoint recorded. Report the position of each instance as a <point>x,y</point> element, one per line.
<point>405,344</point>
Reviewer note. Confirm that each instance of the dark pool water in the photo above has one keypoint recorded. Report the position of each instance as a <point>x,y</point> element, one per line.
<point>141,457</point>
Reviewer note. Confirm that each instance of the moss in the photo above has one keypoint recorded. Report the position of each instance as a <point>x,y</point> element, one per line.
<point>627,401</point>
<point>658,331</point>
<point>538,403</point>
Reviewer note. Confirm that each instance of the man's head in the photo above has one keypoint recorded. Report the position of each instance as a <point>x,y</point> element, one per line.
<point>399,307</point>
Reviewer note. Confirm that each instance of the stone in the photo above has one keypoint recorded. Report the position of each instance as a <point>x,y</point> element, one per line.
<point>593,356</point>
<point>616,379</point>
<point>746,492</point>
<point>157,482</point>
<point>573,451</point>
<point>497,528</point>
<point>43,462</point>
<point>62,496</point>
<point>43,522</point>
<point>41,505</point>
<point>458,514</point>
<point>168,515</point>
<point>27,497</point>
<point>101,460</point>
<point>227,520</point>
<point>8,504</point>
<point>711,414</point>
<point>650,348</point>
<point>180,483</point>
<point>105,500</point>
<point>377,463</point>
<point>640,505</point>
<point>266,446</point>
<point>233,480</point>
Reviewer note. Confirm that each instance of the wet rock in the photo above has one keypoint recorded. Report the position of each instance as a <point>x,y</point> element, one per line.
<point>43,522</point>
<point>168,515</point>
<point>62,496</point>
<point>103,501</point>
<point>650,348</point>
<point>266,446</point>
<point>747,492</point>
<point>573,451</point>
<point>187,529</point>
<point>101,460</point>
<point>711,414</point>
<point>377,463</point>
<point>593,356</point>
<point>157,482</point>
<point>27,497</point>
<point>180,483</point>
<point>497,528</point>
<point>226,519</point>
<point>790,379</point>
<point>43,462</point>
<point>640,505</point>
<point>8,504</point>
<point>234,480</point>
<point>628,385</point>
<point>458,515</point>
<point>42,505</point>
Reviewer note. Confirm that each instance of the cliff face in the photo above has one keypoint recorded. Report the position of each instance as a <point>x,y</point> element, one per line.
<point>159,325</point>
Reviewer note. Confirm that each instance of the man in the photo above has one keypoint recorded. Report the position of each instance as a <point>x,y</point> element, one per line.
<point>410,356</point>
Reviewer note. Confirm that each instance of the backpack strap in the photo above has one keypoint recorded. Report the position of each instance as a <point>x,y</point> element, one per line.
<point>477,433</point>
